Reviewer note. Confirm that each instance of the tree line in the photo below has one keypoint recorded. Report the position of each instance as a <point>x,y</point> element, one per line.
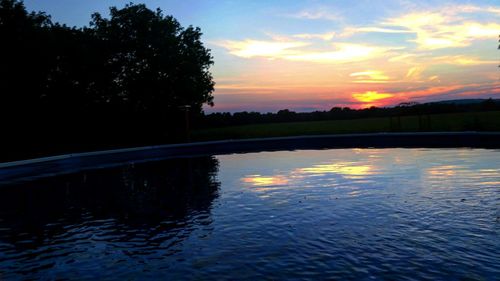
<point>343,113</point>
<point>123,80</point>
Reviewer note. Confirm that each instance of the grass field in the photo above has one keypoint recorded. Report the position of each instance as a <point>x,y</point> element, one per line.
<point>470,121</point>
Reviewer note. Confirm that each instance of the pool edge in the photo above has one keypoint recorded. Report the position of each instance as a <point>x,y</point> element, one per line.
<point>69,163</point>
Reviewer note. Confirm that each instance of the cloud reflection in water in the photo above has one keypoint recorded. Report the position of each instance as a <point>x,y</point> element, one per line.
<point>325,174</point>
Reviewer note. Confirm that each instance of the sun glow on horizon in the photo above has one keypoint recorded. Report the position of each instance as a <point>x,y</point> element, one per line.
<point>415,54</point>
<point>371,96</point>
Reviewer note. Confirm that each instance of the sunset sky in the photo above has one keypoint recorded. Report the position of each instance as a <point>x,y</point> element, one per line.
<point>314,55</point>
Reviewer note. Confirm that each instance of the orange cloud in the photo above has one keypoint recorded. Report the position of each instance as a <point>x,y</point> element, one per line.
<point>457,91</point>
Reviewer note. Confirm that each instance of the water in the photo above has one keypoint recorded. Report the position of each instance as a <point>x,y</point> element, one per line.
<point>353,214</point>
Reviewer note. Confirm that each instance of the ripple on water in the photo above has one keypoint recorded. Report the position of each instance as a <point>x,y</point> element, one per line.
<point>402,214</point>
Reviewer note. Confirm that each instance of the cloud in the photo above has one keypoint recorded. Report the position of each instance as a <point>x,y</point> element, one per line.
<point>461,60</point>
<point>257,48</point>
<point>327,36</point>
<point>371,96</point>
<point>473,9</point>
<point>415,72</point>
<point>434,78</point>
<point>255,90</point>
<point>350,31</point>
<point>341,53</point>
<point>321,13</point>
<point>443,28</point>
<point>370,76</point>
<point>450,91</point>
<point>307,99</point>
<point>446,27</point>
<point>436,30</point>
<point>421,61</point>
<point>292,51</point>
<point>405,58</point>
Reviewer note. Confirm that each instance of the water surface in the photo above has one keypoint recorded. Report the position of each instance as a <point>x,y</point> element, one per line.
<point>358,214</point>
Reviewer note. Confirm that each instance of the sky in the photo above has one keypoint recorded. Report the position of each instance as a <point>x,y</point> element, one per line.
<point>317,54</point>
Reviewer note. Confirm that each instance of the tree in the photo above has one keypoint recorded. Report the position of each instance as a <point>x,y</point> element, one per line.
<point>121,78</point>
<point>24,60</point>
<point>155,64</point>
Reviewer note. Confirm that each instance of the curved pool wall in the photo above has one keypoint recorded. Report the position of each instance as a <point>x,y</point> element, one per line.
<point>26,170</point>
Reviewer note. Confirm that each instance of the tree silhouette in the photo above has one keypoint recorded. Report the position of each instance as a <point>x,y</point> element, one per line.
<point>119,81</point>
<point>155,65</point>
<point>25,64</point>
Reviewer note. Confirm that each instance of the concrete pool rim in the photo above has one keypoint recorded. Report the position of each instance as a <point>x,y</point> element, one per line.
<point>25,170</point>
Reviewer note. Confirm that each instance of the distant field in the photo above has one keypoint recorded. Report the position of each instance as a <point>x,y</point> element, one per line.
<point>470,121</point>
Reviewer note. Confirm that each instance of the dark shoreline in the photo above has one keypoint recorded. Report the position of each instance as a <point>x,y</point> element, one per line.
<point>26,170</point>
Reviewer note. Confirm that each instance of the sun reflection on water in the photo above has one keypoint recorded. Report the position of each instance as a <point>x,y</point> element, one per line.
<point>358,172</point>
<point>258,180</point>
<point>346,169</point>
<point>444,171</point>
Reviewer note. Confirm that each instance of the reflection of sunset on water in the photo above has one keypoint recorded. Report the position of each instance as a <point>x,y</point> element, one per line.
<point>449,171</point>
<point>258,180</point>
<point>365,167</point>
<point>447,177</point>
<point>347,170</point>
<point>446,171</point>
<point>443,171</point>
<point>344,169</point>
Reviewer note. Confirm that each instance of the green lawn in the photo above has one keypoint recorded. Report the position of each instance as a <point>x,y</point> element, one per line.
<point>470,121</point>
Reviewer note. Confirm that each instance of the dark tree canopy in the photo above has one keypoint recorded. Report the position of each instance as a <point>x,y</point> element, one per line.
<point>121,80</point>
<point>154,64</point>
<point>24,61</point>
